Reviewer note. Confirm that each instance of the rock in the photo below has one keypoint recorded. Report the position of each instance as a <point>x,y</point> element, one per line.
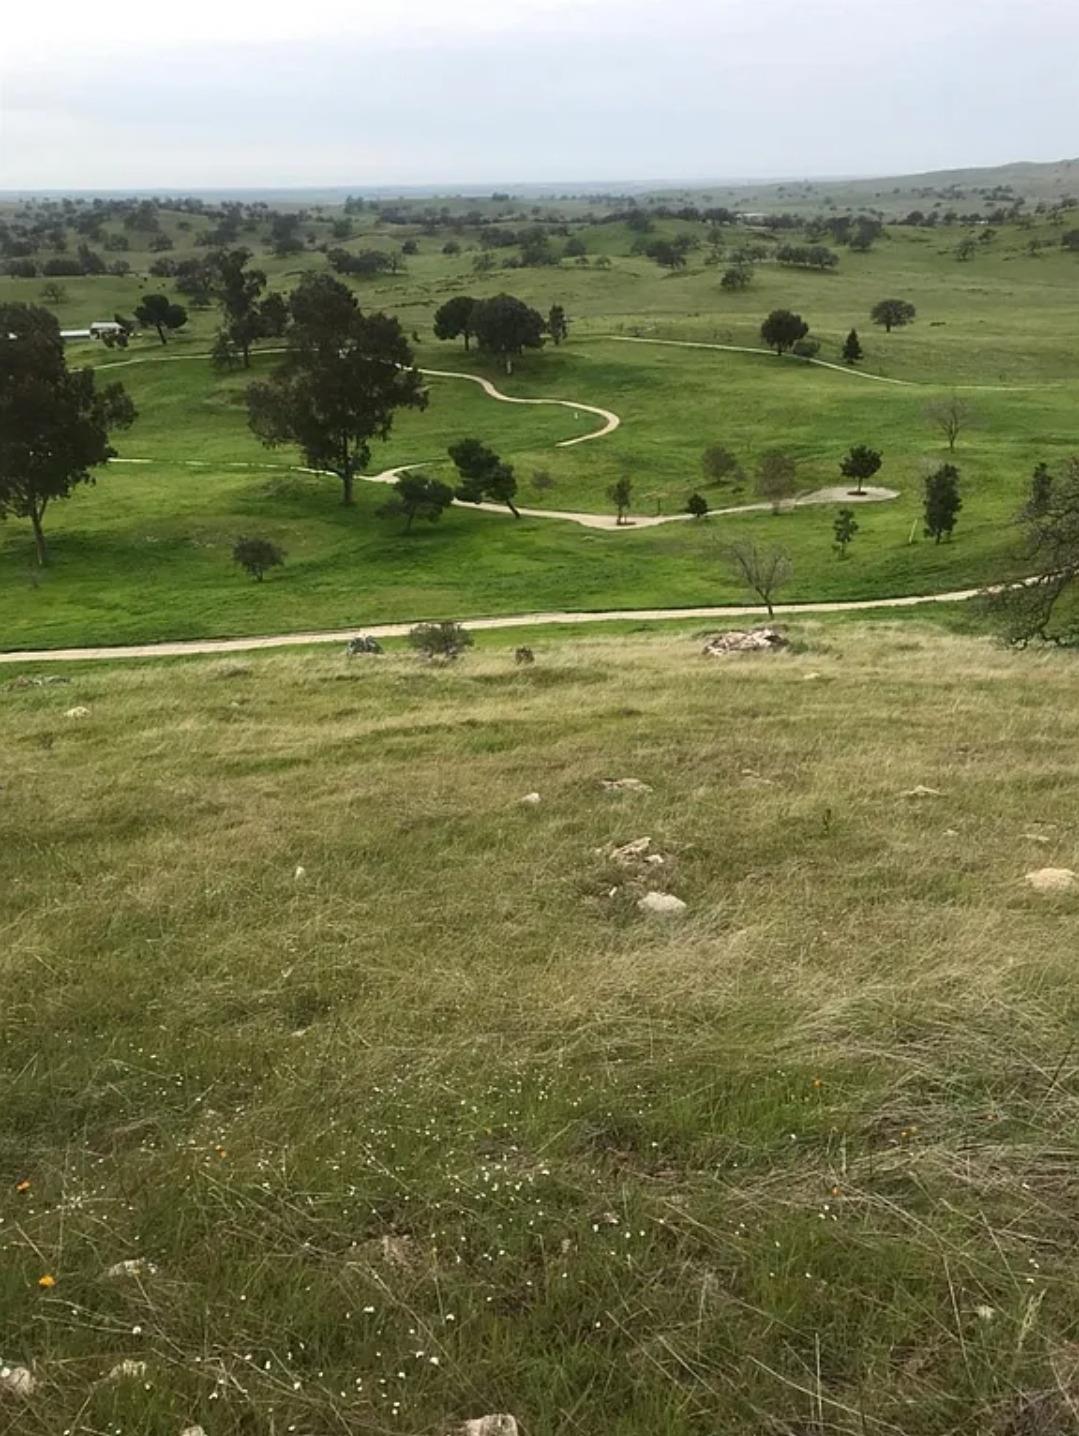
<point>1052,880</point>
<point>630,853</point>
<point>16,1379</point>
<point>661,904</point>
<point>192,1431</point>
<point>921,791</point>
<point>501,1424</point>
<point>1043,838</point>
<point>530,798</point>
<point>127,1370</point>
<point>363,643</point>
<point>79,712</point>
<point>624,785</point>
<point>29,680</point>
<point>300,873</point>
<point>135,1266</point>
<point>744,640</point>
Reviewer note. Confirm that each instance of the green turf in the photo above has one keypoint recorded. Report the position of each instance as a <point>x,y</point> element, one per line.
<point>145,553</point>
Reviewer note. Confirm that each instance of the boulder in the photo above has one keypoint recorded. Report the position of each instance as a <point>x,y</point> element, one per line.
<point>500,1424</point>
<point>17,1380</point>
<point>79,712</point>
<point>921,791</point>
<point>624,785</point>
<point>363,643</point>
<point>744,640</point>
<point>1052,880</point>
<point>661,904</point>
<point>530,799</point>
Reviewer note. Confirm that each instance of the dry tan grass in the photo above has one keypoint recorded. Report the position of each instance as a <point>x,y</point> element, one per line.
<point>784,1149</point>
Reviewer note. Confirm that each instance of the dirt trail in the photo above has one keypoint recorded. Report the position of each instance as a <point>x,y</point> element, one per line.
<point>514,620</point>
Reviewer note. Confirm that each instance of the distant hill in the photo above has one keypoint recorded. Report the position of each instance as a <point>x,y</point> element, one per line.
<point>897,194</point>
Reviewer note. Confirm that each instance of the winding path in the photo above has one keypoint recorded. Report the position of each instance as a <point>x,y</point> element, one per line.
<point>195,646</point>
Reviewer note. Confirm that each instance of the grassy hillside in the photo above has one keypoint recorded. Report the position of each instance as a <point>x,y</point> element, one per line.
<point>145,553</point>
<point>409,1114</point>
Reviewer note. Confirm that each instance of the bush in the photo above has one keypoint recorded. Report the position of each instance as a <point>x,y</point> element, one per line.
<point>806,348</point>
<point>256,555</point>
<point>445,641</point>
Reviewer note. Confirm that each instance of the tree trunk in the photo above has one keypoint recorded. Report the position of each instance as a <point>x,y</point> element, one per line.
<point>467,336</point>
<point>346,488</point>
<point>411,516</point>
<point>39,537</point>
<point>245,349</point>
<point>161,333</point>
<point>512,508</point>
<point>509,364</point>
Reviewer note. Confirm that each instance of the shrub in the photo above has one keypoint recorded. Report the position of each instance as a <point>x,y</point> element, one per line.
<point>256,555</point>
<point>445,641</point>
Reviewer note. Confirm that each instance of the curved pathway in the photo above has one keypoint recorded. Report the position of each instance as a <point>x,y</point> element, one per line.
<point>194,646</point>
<point>801,359</point>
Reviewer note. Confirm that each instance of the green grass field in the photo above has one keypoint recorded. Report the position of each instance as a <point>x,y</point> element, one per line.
<point>442,1125</point>
<point>145,554</point>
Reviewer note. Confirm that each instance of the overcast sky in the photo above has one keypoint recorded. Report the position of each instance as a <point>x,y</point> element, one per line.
<point>137,94</point>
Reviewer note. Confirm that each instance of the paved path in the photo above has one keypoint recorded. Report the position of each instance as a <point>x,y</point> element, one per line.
<point>514,620</point>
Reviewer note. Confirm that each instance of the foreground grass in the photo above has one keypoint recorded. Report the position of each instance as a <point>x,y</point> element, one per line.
<point>443,1126</point>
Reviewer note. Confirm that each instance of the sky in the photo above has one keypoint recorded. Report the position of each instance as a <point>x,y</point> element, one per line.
<point>126,94</point>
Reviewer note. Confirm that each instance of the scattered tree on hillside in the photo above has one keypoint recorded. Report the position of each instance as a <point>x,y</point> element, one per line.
<point>506,326</point>
<point>697,505</point>
<point>950,416</point>
<point>942,502</point>
<point>53,293</point>
<point>620,494</point>
<point>777,478</point>
<point>444,641</point>
<point>852,347</point>
<point>484,476</point>
<point>416,496</point>
<point>158,311</point>
<point>720,466</point>
<point>557,323</point>
<point>763,570</point>
<point>782,329</point>
<point>736,278</point>
<point>256,555</point>
<point>343,377</point>
<point>455,318</point>
<point>892,314</point>
<point>245,315</point>
<point>966,249</point>
<point>54,422</point>
<point>860,463</point>
<point>844,528</point>
<point>1041,492</point>
<point>1032,609</point>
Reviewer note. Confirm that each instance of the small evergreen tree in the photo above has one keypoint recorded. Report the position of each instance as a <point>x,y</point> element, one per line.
<point>697,505</point>
<point>942,502</point>
<point>620,494</point>
<point>557,323</point>
<point>1041,491</point>
<point>852,347</point>
<point>860,463</point>
<point>256,555</point>
<point>844,528</point>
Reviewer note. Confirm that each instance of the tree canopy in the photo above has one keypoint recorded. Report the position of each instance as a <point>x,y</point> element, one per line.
<point>484,476</point>
<point>54,421</point>
<point>506,326</point>
<point>782,329</point>
<point>159,311</point>
<point>892,313</point>
<point>455,318</point>
<point>344,376</point>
